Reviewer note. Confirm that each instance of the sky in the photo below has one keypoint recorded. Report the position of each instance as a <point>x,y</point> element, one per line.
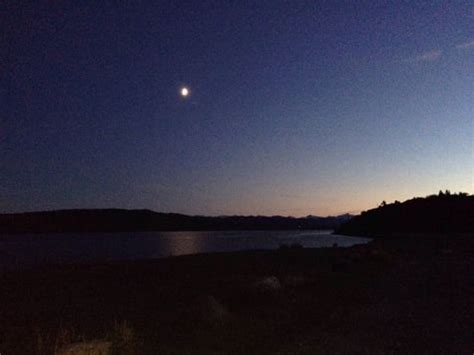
<point>294,107</point>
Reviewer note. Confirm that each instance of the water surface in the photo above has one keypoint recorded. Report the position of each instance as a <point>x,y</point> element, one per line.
<point>31,249</point>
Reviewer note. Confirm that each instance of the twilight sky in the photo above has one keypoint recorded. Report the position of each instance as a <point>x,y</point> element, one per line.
<point>295,107</point>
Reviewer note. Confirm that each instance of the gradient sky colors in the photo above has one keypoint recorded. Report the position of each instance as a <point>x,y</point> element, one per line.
<point>295,108</point>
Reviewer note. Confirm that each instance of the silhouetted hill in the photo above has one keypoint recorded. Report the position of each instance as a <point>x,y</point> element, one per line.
<point>116,220</point>
<point>443,213</point>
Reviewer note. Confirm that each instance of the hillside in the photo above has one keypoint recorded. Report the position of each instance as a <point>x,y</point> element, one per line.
<point>443,213</point>
<point>117,220</point>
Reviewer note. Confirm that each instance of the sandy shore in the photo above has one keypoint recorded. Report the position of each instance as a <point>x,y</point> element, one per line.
<point>401,295</point>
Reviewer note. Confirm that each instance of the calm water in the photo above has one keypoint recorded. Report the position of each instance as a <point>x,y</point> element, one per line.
<point>24,250</point>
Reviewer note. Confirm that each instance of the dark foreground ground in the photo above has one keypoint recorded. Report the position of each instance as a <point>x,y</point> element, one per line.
<point>406,295</point>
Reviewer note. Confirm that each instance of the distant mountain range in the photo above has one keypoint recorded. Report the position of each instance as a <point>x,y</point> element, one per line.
<point>444,213</point>
<point>118,220</point>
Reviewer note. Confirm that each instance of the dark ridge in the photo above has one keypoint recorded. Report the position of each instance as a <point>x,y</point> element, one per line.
<point>439,214</point>
<point>118,220</point>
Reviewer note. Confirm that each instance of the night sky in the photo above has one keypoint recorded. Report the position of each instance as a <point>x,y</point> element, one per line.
<point>294,108</point>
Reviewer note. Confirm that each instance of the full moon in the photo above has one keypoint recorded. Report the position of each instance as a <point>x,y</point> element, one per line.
<point>184,92</point>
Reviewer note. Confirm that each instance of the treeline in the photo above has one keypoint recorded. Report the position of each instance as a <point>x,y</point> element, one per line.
<point>118,220</point>
<point>442,213</point>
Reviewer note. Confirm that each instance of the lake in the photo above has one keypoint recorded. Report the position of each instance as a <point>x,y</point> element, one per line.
<point>34,249</point>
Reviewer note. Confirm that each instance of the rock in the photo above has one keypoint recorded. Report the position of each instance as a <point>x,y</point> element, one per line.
<point>95,347</point>
<point>270,283</point>
<point>213,310</point>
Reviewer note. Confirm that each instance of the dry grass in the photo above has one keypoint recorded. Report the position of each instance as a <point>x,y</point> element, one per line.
<point>124,339</point>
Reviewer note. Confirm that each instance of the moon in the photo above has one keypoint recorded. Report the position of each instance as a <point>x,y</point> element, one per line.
<point>184,92</point>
